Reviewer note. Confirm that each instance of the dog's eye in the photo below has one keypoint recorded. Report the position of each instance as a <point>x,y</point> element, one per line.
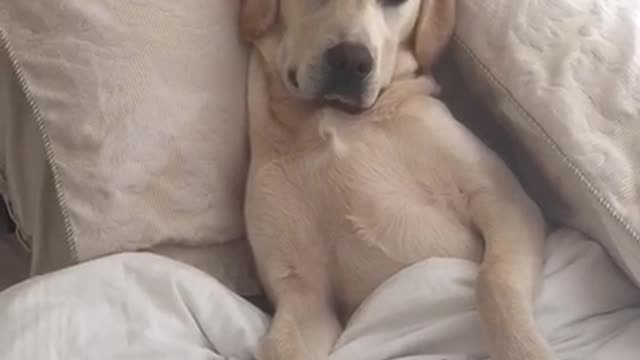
<point>392,2</point>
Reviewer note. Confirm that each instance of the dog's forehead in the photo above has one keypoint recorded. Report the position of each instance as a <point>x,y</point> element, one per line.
<point>349,10</point>
<point>299,7</point>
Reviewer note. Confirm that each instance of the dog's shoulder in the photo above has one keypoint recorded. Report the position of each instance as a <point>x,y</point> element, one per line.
<point>427,134</point>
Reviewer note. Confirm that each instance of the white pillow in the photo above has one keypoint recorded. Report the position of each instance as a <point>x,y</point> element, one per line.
<point>141,105</point>
<point>565,77</point>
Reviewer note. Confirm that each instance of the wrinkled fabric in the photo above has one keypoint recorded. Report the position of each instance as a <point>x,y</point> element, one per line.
<point>147,307</point>
<point>127,307</point>
<point>588,310</point>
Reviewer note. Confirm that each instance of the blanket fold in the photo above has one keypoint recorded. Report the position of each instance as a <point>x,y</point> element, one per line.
<point>147,307</point>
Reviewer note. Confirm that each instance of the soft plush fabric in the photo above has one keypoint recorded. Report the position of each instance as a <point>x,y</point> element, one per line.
<point>145,307</point>
<point>564,76</point>
<point>587,309</point>
<point>127,307</point>
<point>139,107</point>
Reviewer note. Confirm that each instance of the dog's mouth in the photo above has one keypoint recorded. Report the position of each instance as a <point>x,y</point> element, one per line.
<point>351,105</point>
<point>345,106</point>
<point>352,101</point>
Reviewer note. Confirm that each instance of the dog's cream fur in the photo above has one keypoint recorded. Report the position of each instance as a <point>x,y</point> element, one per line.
<point>337,202</point>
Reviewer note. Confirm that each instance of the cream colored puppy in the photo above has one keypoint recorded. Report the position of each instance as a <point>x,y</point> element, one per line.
<point>338,201</point>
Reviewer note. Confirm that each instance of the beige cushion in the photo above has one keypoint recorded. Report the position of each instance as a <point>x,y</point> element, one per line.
<point>564,76</point>
<point>28,182</point>
<point>139,107</point>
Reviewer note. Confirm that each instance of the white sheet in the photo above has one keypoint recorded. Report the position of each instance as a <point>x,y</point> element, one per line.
<point>127,307</point>
<point>140,306</point>
<point>588,310</point>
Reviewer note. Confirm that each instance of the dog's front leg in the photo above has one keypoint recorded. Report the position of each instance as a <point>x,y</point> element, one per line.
<point>291,258</point>
<point>303,328</point>
<point>510,275</point>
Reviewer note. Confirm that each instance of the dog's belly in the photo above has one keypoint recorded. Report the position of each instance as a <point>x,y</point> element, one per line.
<point>380,208</point>
<point>383,224</point>
<point>371,250</point>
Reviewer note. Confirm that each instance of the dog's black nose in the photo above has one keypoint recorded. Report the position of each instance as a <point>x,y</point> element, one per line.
<point>350,59</point>
<point>349,64</point>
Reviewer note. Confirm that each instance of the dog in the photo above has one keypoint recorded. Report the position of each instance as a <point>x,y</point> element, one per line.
<point>358,171</point>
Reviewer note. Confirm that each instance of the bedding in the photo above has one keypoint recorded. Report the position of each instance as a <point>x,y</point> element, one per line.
<point>564,78</point>
<point>143,306</point>
<point>131,116</point>
<point>112,104</point>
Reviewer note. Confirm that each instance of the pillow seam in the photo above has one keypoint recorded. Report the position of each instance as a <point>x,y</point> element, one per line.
<point>44,137</point>
<point>595,192</point>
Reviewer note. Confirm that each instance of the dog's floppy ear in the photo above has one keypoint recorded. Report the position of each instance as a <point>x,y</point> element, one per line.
<point>435,26</point>
<point>256,17</point>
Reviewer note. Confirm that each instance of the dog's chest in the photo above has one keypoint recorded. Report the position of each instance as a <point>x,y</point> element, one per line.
<point>382,208</point>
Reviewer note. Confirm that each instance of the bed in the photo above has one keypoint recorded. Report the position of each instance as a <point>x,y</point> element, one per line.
<point>142,252</point>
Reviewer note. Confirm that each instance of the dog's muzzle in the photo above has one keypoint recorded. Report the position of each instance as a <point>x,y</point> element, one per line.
<point>348,67</point>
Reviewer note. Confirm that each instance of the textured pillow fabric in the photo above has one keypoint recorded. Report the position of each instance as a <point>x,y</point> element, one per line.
<point>140,108</point>
<point>26,181</point>
<point>564,75</point>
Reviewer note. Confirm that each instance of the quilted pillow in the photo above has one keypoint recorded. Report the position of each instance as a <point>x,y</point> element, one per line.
<point>138,108</point>
<point>564,77</point>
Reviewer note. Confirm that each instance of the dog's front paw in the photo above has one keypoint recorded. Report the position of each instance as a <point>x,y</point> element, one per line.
<point>530,353</point>
<point>283,348</point>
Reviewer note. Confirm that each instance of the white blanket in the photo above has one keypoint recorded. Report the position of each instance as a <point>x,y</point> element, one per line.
<point>141,306</point>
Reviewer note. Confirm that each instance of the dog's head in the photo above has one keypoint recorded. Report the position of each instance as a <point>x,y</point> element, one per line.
<point>345,51</point>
